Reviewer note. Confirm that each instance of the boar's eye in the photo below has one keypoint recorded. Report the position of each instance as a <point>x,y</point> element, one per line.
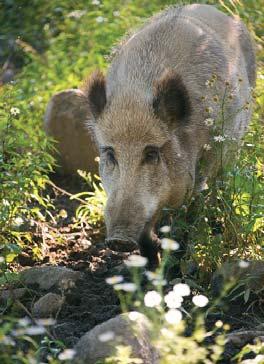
<point>151,154</point>
<point>109,154</point>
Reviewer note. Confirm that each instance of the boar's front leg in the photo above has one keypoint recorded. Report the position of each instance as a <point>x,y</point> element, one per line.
<point>149,245</point>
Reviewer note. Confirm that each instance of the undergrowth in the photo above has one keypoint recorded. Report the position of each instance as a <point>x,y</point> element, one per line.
<point>55,45</point>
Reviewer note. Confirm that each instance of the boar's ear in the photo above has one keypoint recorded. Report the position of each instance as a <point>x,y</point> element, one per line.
<point>94,89</point>
<point>171,102</point>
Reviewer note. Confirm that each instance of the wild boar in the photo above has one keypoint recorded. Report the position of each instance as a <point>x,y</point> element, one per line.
<point>173,107</point>
<point>168,115</point>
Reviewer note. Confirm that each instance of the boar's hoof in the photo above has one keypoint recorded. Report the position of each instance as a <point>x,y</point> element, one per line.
<point>121,245</point>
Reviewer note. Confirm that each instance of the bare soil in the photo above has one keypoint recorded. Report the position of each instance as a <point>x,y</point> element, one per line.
<point>92,301</point>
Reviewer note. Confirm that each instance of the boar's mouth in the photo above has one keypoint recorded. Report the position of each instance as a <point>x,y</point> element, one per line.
<point>121,244</point>
<point>147,242</point>
<point>125,243</point>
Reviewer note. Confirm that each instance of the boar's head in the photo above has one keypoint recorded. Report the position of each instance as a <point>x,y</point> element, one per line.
<point>146,162</point>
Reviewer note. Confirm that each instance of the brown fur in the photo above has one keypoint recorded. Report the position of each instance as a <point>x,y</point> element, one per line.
<point>149,121</point>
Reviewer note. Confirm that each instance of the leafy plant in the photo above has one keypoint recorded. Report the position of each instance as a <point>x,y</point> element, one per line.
<point>58,44</point>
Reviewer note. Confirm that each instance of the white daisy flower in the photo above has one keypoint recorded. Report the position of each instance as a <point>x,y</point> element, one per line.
<point>182,289</point>
<point>200,300</point>
<point>209,110</point>
<point>173,316</point>
<point>159,282</point>
<point>67,354</point>
<point>219,138</point>
<point>165,229</point>
<point>114,279</point>
<point>207,147</point>
<point>136,261</point>
<point>169,244</point>
<point>100,19</point>
<point>209,122</point>
<point>219,324</point>
<point>167,333</point>
<point>25,321</point>
<point>134,315</point>
<point>35,330</point>
<point>152,299</point>
<point>173,300</point>
<point>77,14</point>
<point>128,287</point>
<point>46,322</point>
<point>14,111</point>
<point>152,275</point>
<point>243,264</point>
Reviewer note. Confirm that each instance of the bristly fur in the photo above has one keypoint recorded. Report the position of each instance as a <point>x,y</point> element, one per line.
<point>171,99</point>
<point>117,47</point>
<point>95,91</point>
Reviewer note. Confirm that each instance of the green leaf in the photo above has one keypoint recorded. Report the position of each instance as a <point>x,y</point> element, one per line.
<point>246,295</point>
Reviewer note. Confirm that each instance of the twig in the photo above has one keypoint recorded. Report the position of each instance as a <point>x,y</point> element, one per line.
<point>33,319</point>
<point>66,193</point>
<point>17,301</point>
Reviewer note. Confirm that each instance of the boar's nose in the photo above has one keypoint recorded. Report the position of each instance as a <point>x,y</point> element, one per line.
<point>121,244</point>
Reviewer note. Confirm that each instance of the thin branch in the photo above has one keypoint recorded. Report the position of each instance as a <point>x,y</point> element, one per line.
<point>66,193</point>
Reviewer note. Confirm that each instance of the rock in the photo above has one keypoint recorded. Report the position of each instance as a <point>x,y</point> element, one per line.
<point>7,76</point>
<point>14,294</point>
<point>65,331</point>
<point>120,269</point>
<point>257,360</point>
<point>64,121</point>
<point>128,329</point>
<point>49,276</point>
<point>241,338</point>
<point>260,327</point>
<point>48,305</point>
<point>250,273</point>
<point>8,73</point>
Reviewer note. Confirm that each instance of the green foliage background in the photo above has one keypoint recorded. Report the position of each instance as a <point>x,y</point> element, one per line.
<point>54,45</point>
<point>57,43</point>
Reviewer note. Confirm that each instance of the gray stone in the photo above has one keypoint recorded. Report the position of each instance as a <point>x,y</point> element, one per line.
<point>49,276</point>
<point>250,273</point>
<point>64,121</point>
<point>14,294</point>
<point>48,305</point>
<point>128,329</point>
<point>257,360</point>
<point>241,338</point>
<point>7,76</point>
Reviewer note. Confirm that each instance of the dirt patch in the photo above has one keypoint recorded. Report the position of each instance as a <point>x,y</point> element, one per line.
<point>91,300</point>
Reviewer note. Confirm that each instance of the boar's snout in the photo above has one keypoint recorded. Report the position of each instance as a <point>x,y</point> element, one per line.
<point>125,222</point>
<point>121,235</point>
<point>121,244</point>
